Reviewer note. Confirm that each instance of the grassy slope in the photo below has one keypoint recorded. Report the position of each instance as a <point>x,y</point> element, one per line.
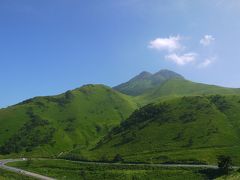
<point>79,118</point>
<point>180,87</point>
<point>61,169</point>
<point>134,87</point>
<point>145,81</point>
<point>232,176</point>
<point>188,129</point>
<point>5,175</point>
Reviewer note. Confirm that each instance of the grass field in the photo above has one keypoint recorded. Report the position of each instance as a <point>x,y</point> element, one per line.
<point>5,175</point>
<point>62,169</point>
<point>200,155</point>
<point>233,176</point>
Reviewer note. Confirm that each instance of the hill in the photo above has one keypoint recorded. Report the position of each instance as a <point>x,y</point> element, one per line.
<point>190,129</point>
<point>177,87</point>
<point>75,121</point>
<point>145,81</point>
<point>165,84</point>
<point>45,126</point>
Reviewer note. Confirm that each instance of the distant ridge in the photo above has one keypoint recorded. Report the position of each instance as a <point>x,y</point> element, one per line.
<point>145,81</point>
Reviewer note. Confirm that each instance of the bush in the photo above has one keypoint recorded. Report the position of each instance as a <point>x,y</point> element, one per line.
<point>220,102</point>
<point>224,164</point>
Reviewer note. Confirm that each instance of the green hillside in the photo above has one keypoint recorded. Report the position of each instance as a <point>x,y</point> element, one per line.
<point>72,170</point>
<point>146,81</point>
<point>185,117</point>
<point>177,87</point>
<point>186,129</point>
<point>6,175</point>
<point>46,126</point>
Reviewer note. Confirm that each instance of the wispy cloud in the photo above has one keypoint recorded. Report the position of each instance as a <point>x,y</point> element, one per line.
<point>174,50</point>
<point>182,59</point>
<point>166,44</point>
<point>207,40</point>
<point>207,62</point>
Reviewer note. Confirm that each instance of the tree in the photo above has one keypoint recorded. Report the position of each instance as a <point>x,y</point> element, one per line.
<point>224,164</point>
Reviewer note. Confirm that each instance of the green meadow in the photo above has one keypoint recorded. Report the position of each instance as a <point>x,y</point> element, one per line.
<point>62,169</point>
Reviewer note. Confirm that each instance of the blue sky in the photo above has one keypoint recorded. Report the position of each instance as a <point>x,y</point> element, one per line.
<point>50,46</point>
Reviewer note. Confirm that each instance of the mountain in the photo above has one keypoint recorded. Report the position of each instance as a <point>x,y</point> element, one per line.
<point>72,123</point>
<point>192,129</point>
<point>146,81</point>
<point>177,87</point>
<point>165,84</point>
<point>50,125</point>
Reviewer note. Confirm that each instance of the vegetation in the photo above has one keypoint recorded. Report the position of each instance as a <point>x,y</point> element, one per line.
<point>234,176</point>
<point>62,169</point>
<point>178,87</point>
<point>118,158</point>
<point>146,81</point>
<point>34,133</point>
<point>49,126</point>
<point>6,175</point>
<point>224,164</point>
<point>182,130</point>
<point>167,120</point>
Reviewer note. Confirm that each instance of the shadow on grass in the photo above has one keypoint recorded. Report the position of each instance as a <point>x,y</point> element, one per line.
<point>211,173</point>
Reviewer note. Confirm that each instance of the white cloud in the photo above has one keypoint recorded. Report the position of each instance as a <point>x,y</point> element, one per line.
<point>167,44</point>
<point>182,59</point>
<point>207,62</point>
<point>175,51</point>
<point>207,40</point>
<point>172,45</point>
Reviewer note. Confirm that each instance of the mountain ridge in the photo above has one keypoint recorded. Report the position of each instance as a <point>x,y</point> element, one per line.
<point>176,87</point>
<point>145,81</point>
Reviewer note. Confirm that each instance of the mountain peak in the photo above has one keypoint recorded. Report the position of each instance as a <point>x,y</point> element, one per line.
<point>164,71</point>
<point>145,73</point>
<point>145,81</point>
<point>142,75</point>
<point>168,74</point>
